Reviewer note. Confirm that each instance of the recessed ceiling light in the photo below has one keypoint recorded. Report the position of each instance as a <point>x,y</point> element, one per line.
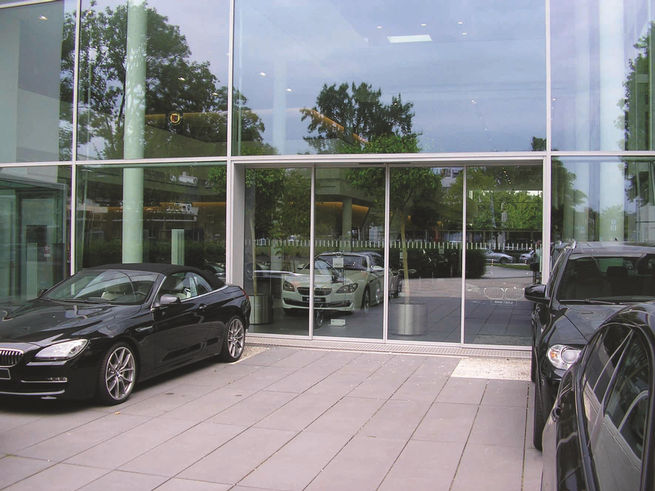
<point>378,27</point>
<point>459,22</point>
<point>465,34</point>
<point>181,79</point>
<point>423,25</point>
<point>416,38</point>
<point>43,18</point>
<point>262,74</point>
<point>289,90</point>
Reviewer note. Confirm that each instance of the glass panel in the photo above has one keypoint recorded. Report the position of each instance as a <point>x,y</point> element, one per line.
<point>606,199</point>
<point>425,252</point>
<point>168,98</point>
<point>34,224</point>
<point>349,267</point>
<point>432,76</point>
<point>36,92</point>
<point>602,75</point>
<point>276,256</point>
<point>172,214</point>
<point>503,220</point>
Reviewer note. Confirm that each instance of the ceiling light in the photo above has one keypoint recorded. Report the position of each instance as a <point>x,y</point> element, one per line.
<point>423,25</point>
<point>262,74</point>
<point>459,22</point>
<point>465,34</point>
<point>43,18</point>
<point>289,90</point>
<point>416,38</point>
<point>378,27</point>
<point>181,79</point>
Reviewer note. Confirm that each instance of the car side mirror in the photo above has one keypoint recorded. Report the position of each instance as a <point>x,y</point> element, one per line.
<point>168,299</point>
<point>536,293</point>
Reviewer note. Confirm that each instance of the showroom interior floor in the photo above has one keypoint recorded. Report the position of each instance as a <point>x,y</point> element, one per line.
<point>286,418</point>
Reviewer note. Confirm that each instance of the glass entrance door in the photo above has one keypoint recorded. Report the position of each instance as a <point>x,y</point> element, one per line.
<point>503,252</point>
<point>425,252</point>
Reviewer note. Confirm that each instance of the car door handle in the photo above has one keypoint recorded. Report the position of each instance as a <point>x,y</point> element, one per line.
<point>141,330</point>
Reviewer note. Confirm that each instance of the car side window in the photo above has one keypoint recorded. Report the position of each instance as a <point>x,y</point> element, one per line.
<point>599,368</point>
<point>618,444</point>
<point>180,284</point>
<point>201,284</point>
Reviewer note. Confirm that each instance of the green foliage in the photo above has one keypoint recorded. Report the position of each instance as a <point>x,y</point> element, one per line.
<point>353,119</point>
<point>198,96</point>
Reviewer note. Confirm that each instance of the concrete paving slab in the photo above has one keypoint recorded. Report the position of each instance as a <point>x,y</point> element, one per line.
<point>236,459</point>
<point>14,469</point>
<point>362,464</point>
<point>60,477</point>
<point>174,455</point>
<point>121,481</point>
<point>447,422</point>
<point>287,418</point>
<point>424,466</point>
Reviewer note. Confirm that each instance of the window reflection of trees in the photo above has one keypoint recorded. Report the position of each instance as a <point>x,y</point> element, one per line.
<point>186,106</point>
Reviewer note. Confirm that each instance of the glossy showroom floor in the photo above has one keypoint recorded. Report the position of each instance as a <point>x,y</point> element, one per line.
<point>285,418</point>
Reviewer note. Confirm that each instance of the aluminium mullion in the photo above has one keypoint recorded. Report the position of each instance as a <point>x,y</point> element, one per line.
<point>387,234</point>
<point>72,260</point>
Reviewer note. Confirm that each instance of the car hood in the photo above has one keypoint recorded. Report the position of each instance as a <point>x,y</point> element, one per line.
<point>44,321</point>
<point>588,318</point>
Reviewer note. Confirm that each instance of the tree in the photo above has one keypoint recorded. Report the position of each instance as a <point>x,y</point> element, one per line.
<point>174,84</point>
<point>353,119</point>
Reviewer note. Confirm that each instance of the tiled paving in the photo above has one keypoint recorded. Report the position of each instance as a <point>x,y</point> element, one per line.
<point>287,418</point>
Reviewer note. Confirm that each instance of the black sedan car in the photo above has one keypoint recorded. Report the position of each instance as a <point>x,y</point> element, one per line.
<point>589,282</point>
<point>105,328</point>
<point>600,432</point>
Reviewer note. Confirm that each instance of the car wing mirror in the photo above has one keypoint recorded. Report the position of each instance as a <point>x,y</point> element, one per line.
<point>536,293</point>
<point>167,299</point>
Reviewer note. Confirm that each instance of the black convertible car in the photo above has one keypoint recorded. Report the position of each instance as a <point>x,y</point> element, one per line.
<point>107,327</point>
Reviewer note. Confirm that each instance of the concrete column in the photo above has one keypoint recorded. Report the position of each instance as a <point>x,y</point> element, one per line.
<point>133,143</point>
<point>611,195</point>
<point>347,222</point>
<point>177,246</point>
<point>9,54</point>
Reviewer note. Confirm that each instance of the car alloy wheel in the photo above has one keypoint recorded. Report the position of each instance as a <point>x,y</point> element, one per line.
<point>118,374</point>
<point>235,339</point>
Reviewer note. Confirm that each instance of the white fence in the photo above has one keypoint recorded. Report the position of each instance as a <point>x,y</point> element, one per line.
<point>338,245</point>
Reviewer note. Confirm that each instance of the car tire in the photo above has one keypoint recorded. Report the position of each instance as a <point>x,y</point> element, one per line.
<point>117,375</point>
<point>538,418</point>
<point>235,339</point>
<point>366,300</point>
<point>503,260</point>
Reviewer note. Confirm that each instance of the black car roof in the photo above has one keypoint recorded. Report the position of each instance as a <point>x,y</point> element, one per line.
<point>165,269</point>
<point>609,248</point>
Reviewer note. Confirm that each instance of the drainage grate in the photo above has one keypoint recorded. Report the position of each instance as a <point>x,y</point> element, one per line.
<point>417,349</point>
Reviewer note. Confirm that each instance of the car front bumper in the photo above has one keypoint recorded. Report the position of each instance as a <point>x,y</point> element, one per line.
<point>69,379</point>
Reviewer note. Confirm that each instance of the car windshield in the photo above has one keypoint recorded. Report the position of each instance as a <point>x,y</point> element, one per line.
<point>608,279</point>
<point>105,286</point>
<point>348,262</point>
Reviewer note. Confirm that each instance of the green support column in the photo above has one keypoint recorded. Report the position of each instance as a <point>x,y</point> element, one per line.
<point>135,106</point>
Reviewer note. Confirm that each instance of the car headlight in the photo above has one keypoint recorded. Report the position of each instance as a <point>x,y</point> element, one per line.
<point>62,351</point>
<point>288,287</point>
<point>349,288</point>
<point>562,356</point>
